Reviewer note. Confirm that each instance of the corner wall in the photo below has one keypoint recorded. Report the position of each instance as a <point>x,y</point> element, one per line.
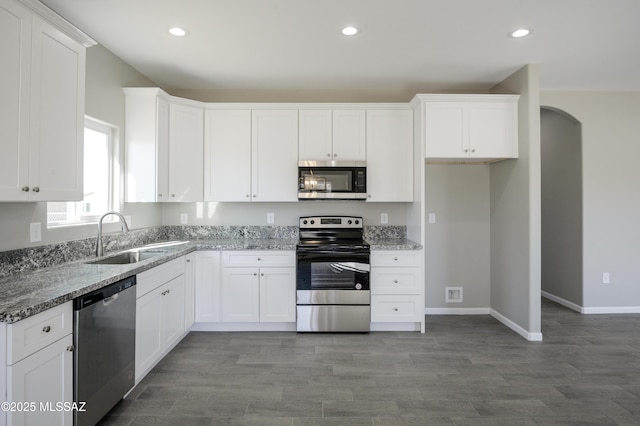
<point>515,215</point>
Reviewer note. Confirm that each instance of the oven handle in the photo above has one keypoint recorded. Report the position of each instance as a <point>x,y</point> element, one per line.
<point>332,256</point>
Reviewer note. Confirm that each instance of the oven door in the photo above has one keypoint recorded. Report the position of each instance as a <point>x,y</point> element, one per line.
<point>326,270</point>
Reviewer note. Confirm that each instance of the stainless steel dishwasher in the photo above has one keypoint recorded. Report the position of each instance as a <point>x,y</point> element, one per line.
<point>104,358</point>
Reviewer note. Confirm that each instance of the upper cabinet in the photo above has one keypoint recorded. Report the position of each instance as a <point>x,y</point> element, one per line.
<point>251,155</point>
<point>469,128</point>
<point>338,135</point>
<point>390,155</point>
<point>42,81</point>
<point>164,145</point>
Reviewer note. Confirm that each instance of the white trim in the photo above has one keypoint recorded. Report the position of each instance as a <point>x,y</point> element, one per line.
<point>395,326</point>
<point>612,310</point>
<point>456,311</point>
<point>563,302</point>
<point>595,310</point>
<point>56,20</point>
<point>532,337</point>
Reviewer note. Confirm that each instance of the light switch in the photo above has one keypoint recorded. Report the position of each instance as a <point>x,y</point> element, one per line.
<point>384,218</point>
<point>432,218</point>
<point>271,218</point>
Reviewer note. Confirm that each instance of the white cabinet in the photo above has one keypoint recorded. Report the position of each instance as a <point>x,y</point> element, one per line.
<point>396,287</point>
<point>42,81</point>
<point>227,158</point>
<point>390,155</point>
<point>274,155</point>
<point>470,128</point>
<point>189,291</point>
<point>39,366</point>
<point>208,287</point>
<point>258,286</point>
<point>164,146</point>
<point>251,155</point>
<point>338,135</point>
<point>160,313</point>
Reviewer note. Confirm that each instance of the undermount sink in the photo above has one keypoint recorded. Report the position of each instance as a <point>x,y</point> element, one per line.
<point>127,257</point>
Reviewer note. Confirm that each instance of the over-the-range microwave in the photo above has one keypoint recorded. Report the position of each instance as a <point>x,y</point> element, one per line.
<point>332,180</point>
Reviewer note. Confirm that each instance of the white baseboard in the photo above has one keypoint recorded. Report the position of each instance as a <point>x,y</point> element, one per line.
<point>595,310</point>
<point>244,326</point>
<point>395,326</point>
<point>456,311</point>
<point>532,337</point>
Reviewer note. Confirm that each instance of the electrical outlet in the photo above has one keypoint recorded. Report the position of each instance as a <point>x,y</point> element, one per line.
<point>606,278</point>
<point>184,218</point>
<point>432,218</point>
<point>271,218</point>
<point>384,218</point>
<point>35,232</point>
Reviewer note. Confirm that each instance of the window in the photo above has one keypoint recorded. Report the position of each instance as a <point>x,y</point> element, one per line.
<point>98,180</point>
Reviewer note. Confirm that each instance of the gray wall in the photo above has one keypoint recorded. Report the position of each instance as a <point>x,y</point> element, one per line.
<point>611,194</point>
<point>515,214</point>
<point>457,246</point>
<point>104,100</point>
<point>561,161</point>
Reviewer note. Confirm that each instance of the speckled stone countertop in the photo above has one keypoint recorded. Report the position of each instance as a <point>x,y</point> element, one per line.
<point>28,293</point>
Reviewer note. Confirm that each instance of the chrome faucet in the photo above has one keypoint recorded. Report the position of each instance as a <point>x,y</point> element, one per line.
<point>125,228</point>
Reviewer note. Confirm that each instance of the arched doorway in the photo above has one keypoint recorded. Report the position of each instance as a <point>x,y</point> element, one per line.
<point>561,188</point>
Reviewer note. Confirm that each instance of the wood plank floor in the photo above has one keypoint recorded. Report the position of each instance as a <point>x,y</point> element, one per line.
<point>466,370</point>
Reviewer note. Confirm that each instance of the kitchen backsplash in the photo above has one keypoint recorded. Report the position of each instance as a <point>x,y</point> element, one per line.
<point>32,258</point>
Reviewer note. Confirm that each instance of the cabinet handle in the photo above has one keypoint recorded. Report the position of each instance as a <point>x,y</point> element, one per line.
<point>395,258</point>
<point>46,328</point>
<point>395,281</point>
<point>25,188</point>
<point>254,195</point>
<point>259,259</point>
<point>159,195</point>
<point>36,189</point>
<point>173,195</point>
<point>262,274</point>
<point>473,150</point>
<point>188,260</point>
<point>466,150</point>
<point>255,274</point>
<point>247,195</point>
<point>71,348</point>
<point>395,309</point>
<point>335,155</point>
<point>328,154</point>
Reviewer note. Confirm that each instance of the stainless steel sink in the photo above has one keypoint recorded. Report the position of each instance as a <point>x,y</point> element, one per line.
<point>127,257</point>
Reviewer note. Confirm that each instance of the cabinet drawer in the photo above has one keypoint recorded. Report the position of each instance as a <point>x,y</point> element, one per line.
<point>259,258</point>
<point>396,308</point>
<point>395,281</point>
<point>155,277</point>
<point>34,333</point>
<point>395,258</point>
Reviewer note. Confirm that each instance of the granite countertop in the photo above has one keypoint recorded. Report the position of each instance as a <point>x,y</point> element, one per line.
<point>26,294</point>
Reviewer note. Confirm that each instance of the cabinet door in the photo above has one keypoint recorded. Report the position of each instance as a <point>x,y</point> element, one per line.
<point>277,295</point>
<point>491,130</point>
<point>57,115</point>
<point>189,291</point>
<point>15,48</point>
<point>227,167</point>
<point>446,130</point>
<point>148,331</point>
<point>349,135</point>
<point>274,154</point>
<point>315,135</point>
<point>240,295</point>
<point>45,376</point>
<point>390,155</point>
<point>172,312</point>
<point>208,291</point>
<point>186,149</point>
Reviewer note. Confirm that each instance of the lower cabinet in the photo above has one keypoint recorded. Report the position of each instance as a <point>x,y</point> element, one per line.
<point>160,313</point>
<point>258,286</point>
<point>396,287</point>
<point>38,371</point>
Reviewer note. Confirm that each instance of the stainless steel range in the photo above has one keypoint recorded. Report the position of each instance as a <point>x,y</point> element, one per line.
<point>332,277</point>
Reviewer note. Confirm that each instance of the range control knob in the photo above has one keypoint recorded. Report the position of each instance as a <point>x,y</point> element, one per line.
<point>358,286</point>
<point>313,221</point>
<point>349,222</point>
<point>304,222</point>
<point>357,221</point>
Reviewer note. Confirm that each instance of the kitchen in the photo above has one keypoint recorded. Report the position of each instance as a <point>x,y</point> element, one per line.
<point>106,75</point>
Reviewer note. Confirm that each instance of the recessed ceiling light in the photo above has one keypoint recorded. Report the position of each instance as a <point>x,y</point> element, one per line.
<point>349,31</point>
<point>178,32</point>
<point>522,32</point>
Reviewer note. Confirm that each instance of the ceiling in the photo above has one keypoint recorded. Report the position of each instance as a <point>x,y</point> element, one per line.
<point>426,45</point>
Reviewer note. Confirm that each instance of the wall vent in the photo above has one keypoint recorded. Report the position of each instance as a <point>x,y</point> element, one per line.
<point>453,295</point>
